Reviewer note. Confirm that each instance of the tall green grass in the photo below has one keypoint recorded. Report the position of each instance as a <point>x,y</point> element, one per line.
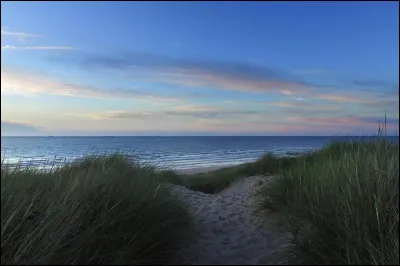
<point>211,182</point>
<point>218,180</point>
<point>103,210</point>
<point>342,203</point>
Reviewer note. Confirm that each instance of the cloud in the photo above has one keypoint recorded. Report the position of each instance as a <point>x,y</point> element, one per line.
<point>388,104</point>
<point>349,121</point>
<point>343,98</point>
<point>196,108</point>
<point>261,128</point>
<point>308,105</point>
<point>230,76</point>
<point>374,83</point>
<point>18,34</point>
<point>290,118</point>
<point>212,114</point>
<point>299,98</point>
<point>296,127</point>
<point>290,104</point>
<point>202,112</point>
<point>23,36</point>
<point>379,120</point>
<point>322,110</point>
<point>366,102</point>
<point>220,75</point>
<point>296,111</point>
<point>29,83</point>
<point>11,47</point>
<point>313,72</point>
<point>379,87</point>
<point>17,128</point>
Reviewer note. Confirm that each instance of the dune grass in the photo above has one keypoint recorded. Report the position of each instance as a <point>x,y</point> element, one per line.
<point>210,182</point>
<point>218,180</point>
<point>102,210</point>
<point>342,203</point>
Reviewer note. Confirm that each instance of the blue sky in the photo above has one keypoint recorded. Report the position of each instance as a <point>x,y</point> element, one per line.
<point>199,68</point>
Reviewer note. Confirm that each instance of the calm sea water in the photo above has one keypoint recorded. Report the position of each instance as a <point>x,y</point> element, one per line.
<point>176,152</point>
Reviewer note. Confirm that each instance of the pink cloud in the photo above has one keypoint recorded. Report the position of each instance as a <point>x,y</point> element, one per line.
<point>343,98</point>
<point>341,121</point>
<point>268,128</point>
<point>199,79</point>
<point>17,82</point>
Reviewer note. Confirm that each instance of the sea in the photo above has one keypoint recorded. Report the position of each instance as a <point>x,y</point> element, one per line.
<point>164,152</point>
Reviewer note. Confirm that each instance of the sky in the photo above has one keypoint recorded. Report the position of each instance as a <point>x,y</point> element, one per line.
<point>199,68</point>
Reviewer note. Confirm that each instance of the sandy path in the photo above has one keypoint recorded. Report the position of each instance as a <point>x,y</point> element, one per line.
<point>228,231</point>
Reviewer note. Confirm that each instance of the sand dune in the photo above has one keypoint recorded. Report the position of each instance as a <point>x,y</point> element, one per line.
<point>228,231</point>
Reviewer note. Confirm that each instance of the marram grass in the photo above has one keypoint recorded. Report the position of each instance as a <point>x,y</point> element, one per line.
<point>342,202</point>
<point>102,210</point>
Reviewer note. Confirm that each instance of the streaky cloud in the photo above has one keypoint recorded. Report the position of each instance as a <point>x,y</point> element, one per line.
<point>11,47</point>
<point>202,73</point>
<point>17,82</point>
<point>375,83</point>
<point>347,120</point>
<point>201,112</point>
<point>18,34</point>
<point>312,72</point>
